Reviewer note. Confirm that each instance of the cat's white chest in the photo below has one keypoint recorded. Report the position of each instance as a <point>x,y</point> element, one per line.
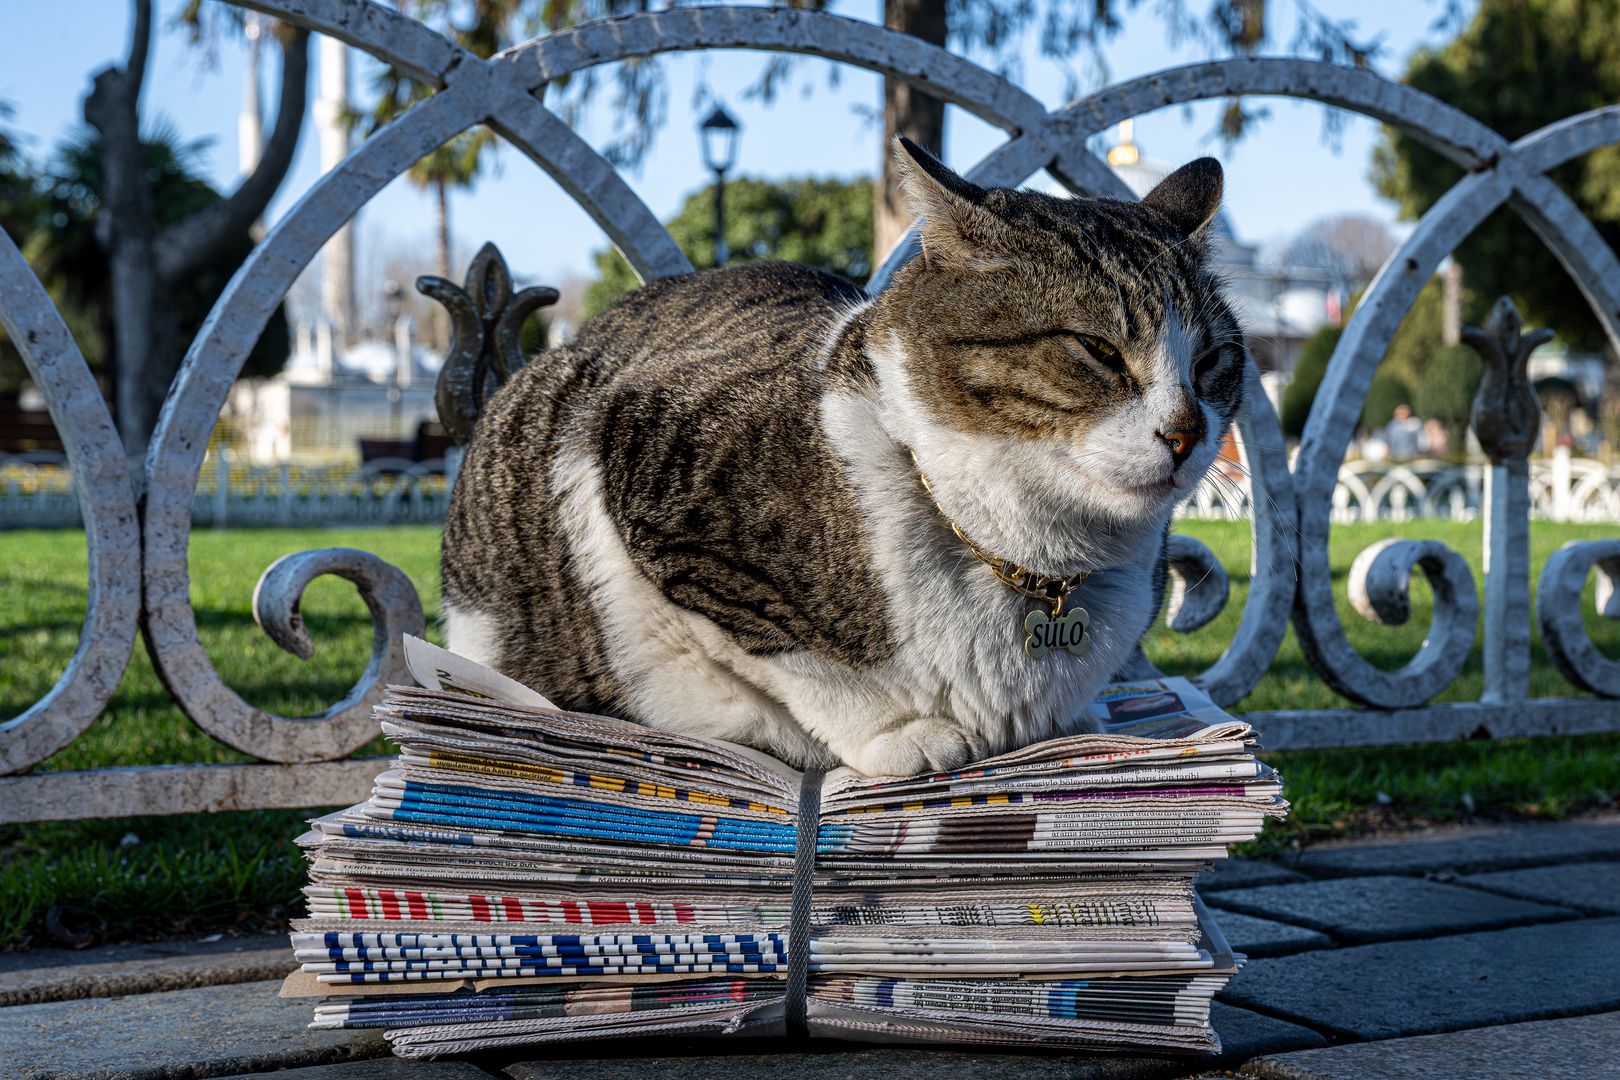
<point>961,632</point>
<point>965,649</point>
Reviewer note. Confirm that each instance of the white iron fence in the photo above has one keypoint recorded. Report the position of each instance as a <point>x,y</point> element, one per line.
<point>37,491</point>
<point>1562,488</point>
<point>386,491</point>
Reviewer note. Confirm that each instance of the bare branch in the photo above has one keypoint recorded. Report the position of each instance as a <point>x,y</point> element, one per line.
<point>196,241</point>
<point>113,109</point>
<point>141,41</point>
<point>124,231</point>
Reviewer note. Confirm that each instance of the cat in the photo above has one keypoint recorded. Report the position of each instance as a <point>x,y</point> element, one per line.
<point>715,510</point>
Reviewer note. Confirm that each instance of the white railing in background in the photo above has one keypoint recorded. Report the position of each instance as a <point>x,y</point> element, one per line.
<point>39,493</point>
<point>386,491</point>
<point>139,577</point>
<point>1563,488</point>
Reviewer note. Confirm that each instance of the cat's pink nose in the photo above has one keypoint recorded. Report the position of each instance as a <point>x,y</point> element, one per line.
<point>1181,444</point>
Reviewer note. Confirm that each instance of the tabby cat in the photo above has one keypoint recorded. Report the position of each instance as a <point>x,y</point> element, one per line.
<point>715,510</point>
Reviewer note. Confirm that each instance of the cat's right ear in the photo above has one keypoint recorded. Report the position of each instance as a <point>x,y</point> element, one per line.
<point>1191,196</point>
<point>956,227</point>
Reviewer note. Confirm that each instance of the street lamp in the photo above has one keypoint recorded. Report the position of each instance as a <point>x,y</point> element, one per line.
<point>719,134</point>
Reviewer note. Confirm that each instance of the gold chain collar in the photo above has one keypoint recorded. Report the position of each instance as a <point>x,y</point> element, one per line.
<point>1050,590</point>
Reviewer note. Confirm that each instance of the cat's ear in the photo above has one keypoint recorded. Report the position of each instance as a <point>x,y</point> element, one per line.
<point>1190,196</point>
<point>956,226</point>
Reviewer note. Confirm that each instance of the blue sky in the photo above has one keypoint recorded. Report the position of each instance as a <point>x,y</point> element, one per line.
<point>1278,180</point>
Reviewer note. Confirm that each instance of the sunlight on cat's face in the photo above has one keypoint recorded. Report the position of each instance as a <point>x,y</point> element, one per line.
<point>1087,331</point>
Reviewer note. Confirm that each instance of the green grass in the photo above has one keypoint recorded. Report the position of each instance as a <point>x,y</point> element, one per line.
<point>189,873</point>
<point>1335,792</point>
<point>42,596</point>
<point>201,873</point>
<point>1291,684</point>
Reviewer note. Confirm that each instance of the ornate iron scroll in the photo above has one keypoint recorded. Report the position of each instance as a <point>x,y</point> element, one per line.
<point>111,528</point>
<point>1507,418</point>
<point>486,319</point>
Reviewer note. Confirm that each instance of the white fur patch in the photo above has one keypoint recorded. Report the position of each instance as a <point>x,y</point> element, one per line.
<point>959,629</point>
<point>472,634</point>
<point>1125,455</point>
<point>680,670</point>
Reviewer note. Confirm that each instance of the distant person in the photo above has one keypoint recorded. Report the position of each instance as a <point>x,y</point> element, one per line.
<point>1439,439</point>
<point>1404,434</point>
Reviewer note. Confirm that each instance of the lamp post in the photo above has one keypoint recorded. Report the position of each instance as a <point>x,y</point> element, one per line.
<point>719,134</point>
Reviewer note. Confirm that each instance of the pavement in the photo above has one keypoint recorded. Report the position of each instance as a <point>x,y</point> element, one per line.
<point>1484,952</point>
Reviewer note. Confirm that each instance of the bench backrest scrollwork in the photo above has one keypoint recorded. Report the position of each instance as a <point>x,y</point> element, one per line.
<point>138,566</point>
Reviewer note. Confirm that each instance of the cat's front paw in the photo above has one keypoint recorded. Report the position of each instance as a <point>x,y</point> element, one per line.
<point>928,744</point>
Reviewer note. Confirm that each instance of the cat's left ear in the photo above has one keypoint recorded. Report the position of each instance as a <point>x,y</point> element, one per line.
<point>956,226</point>
<point>1191,196</point>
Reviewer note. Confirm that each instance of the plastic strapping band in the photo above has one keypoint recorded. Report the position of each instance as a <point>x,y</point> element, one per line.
<point>804,872</point>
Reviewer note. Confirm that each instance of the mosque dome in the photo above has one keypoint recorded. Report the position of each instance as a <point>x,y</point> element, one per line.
<point>1142,174</point>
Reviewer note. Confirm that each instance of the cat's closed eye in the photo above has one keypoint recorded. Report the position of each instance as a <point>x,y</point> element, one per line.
<point>1103,352</point>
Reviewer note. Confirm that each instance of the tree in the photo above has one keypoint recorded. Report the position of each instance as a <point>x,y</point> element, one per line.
<point>1350,246</point>
<point>1420,336</point>
<point>20,208</point>
<point>995,30</point>
<point>1387,392</point>
<point>148,262</point>
<point>457,164</point>
<point>1518,66</point>
<point>824,223</point>
<point>1404,366</point>
<point>1309,370</point>
<point>63,248</point>
<point>20,202</point>
<point>1446,390</point>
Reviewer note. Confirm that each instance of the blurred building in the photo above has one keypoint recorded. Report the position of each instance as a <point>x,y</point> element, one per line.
<point>326,401</point>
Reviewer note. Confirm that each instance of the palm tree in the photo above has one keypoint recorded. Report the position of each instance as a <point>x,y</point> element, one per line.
<point>455,164</point>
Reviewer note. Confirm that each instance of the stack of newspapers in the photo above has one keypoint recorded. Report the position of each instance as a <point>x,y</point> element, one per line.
<point>522,874</point>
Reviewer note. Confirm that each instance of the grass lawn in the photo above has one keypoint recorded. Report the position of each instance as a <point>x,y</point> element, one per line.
<point>238,869</point>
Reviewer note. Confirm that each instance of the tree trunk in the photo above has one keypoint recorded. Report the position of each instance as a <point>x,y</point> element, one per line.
<point>441,317</point>
<point>145,267</point>
<point>192,243</point>
<point>908,112</point>
<point>124,230</point>
<point>441,190</point>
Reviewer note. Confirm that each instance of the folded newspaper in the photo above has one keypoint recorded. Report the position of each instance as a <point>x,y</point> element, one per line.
<point>523,874</point>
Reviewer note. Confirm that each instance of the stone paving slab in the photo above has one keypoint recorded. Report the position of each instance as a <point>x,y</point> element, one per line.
<point>644,1059</point>
<point>1476,849</point>
<point>1398,989</point>
<point>212,1031</point>
<point>114,978</point>
<point>1590,887</point>
<point>1244,1034</point>
<point>1578,1048</point>
<point>50,957</point>
<point>1263,937</point>
<point>1243,874</point>
<point>388,1068</point>
<point>1363,910</point>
